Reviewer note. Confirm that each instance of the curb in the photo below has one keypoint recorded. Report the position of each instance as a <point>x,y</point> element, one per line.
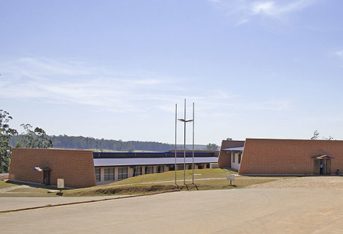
<point>83,202</point>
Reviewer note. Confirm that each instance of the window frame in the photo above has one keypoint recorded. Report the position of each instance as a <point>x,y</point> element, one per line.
<point>109,174</point>
<point>98,174</point>
<point>123,175</point>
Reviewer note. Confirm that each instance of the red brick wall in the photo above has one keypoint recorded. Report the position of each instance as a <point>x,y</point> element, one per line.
<point>224,159</point>
<point>274,156</point>
<point>75,166</point>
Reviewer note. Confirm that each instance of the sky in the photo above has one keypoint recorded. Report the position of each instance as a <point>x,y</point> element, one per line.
<point>115,69</point>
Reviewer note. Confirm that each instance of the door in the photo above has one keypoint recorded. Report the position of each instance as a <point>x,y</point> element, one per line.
<point>322,165</point>
<point>316,167</point>
<point>327,164</point>
<point>46,176</point>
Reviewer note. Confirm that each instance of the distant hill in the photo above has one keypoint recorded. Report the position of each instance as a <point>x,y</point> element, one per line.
<point>80,142</point>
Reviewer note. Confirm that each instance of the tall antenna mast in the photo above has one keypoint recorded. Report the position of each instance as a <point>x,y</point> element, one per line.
<point>175,147</point>
<point>193,148</point>
<point>184,144</point>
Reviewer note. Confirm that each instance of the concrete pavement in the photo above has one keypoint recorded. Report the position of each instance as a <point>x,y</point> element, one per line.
<point>252,210</point>
<point>22,203</point>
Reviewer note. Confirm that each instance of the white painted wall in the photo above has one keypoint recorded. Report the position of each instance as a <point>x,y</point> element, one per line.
<point>102,175</point>
<point>234,161</point>
<point>115,173</point>
<point>130,172</point>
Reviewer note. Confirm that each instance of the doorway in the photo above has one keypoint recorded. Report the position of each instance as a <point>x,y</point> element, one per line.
<point>322,165</point>
<point>46,176</point>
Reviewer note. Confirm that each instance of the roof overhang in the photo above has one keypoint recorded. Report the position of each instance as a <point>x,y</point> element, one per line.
<point>234,149</point>
<point>39,169</point>
<point>150,161</point>
<point>323,156</point>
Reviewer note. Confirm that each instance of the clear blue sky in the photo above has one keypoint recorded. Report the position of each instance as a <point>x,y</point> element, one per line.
<point>115,69</point>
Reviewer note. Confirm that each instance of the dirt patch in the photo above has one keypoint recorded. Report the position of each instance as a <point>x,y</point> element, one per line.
<point>332,182</point>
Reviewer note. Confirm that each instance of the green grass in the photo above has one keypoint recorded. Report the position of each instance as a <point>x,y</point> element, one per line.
<point>4,184</point>
<point>170,176</point>
<point>205,179</point>
<point>17,190</point>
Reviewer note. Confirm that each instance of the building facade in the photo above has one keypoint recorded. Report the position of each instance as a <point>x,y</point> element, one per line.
<point>84,168</point>
<point>285,157</point>
<point>45,166</point>
<point>114,166</point>
<point>230,154</point>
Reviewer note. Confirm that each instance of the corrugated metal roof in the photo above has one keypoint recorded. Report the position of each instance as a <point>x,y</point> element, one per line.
<point>98,162</point>
<point>234,149</point>
<point>154,154</point>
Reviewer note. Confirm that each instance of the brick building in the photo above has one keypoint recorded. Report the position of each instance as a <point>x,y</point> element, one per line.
<point>230,152</point>
<point>284,157</point>
<point>84,168</point>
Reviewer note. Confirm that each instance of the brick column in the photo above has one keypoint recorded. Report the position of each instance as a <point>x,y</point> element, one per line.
<point>102,174</point>
<point>116,173</point>
<point>130,172</point>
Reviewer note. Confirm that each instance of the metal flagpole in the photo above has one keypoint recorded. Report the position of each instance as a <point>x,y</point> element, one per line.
<point>184,145</point>
<point>193,149</point>
<point>175,152</point>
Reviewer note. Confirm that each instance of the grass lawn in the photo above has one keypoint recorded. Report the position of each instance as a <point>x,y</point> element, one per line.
<point>205,179</point>
<point>21,190</point>
<point>4,184</point>
<point>170,176</point>
<point>29,192</point>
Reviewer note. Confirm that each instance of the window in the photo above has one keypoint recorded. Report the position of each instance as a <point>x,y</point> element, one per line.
<point>122,173</point>
<point>98,174</point>
<point>149,169</point>
<point>160,169</point>
<point>137,171</point>
<point>239,157</point>
<point>109,173</point>
<point>233,155</point>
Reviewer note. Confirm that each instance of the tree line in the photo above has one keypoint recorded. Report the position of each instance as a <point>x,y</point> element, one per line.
<point>30,137</point>
<point>81,142</point>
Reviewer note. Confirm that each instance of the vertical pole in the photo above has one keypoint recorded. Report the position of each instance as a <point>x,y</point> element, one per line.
<point>193,149</point>
<point>175,147</point>
<point>184,146</point>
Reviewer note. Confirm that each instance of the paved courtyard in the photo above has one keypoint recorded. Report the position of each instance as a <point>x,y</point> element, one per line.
<point>274,208</point>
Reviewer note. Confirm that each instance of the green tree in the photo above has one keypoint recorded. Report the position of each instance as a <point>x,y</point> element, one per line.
<point>6,132</point>
<point>212,147</point>
<point>36,138</point>
<point>315,135</point>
